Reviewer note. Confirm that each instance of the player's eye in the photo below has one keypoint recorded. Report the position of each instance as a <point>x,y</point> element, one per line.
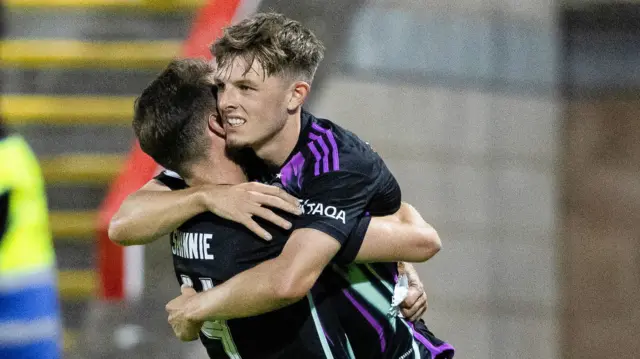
<point>244,87</point>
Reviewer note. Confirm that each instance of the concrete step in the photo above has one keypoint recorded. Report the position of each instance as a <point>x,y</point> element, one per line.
<point>66,197</point>
<point>88,82</point>
<point>81,168</point>
<point>124,5</point>
<point>51,140</point>
<point>77,284</point>
<point>66,110</point>
<point>58,53</point>
<point>70,339</point>
<point>98,23</point>
<point>62,140</point>
<point>76,255</point>
<point>76,225</point>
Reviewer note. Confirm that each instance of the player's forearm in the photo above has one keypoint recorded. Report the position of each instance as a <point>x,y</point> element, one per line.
<point>392,242</point>
<point>270,285</point>
<point>145,216</point>
<point>255,291</point>
<point>403,236</point>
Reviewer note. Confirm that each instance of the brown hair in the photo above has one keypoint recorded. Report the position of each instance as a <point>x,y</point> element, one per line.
<point>281,45</point>
<point>170,117</point>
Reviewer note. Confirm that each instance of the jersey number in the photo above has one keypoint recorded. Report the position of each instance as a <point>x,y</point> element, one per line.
<point>216,329</point>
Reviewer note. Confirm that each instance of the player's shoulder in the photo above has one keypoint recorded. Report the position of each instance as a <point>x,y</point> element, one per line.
<point>207,222</point>
<point>330,148</point>
<point>344,138</point>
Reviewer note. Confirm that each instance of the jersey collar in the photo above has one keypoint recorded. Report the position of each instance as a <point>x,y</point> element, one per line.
<point>306,119</point>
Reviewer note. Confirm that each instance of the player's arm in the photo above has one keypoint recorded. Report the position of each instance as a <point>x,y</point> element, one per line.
<point>155,210</point>
<point>402,236</point>
<point>334,203</point>
<point>271,285</point>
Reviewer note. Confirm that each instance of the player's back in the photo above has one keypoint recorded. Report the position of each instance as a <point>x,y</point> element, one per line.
<point>208,250</point>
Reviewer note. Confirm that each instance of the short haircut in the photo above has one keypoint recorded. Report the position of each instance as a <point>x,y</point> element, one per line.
<point>281,45</point>
<point>171,115</point>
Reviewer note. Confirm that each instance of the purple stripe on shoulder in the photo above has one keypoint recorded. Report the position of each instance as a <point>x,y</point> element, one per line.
<point>332,142</point>
<point>292,169</point>
<point>316,154</point>
<point>297,167</point>
<point>369,318</point>
<point>435,351</point>
<point>325,151</point>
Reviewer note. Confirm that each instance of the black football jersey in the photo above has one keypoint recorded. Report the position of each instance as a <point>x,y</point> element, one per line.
<point>208,250</point>
<point>339,178</point>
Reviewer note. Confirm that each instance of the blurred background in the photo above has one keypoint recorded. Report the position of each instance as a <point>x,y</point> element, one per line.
<point>512,125</point>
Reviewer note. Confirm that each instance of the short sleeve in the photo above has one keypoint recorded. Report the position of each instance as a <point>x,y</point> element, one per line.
<point>334,202</point>
<point>349,250</point>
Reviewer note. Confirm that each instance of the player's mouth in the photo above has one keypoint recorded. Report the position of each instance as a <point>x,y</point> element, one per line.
<point>235,121</point>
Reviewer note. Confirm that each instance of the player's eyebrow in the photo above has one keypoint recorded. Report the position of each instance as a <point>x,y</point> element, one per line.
<point>239,82</point>
<point>246,82</point>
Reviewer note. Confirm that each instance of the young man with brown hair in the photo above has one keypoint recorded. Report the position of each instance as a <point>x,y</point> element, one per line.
<point>266,66</point>
<point>208,250</point>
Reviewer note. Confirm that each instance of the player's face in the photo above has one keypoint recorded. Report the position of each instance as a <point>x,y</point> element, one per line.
<point>253,107</point>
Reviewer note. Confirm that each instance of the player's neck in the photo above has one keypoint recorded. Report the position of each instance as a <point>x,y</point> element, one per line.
<point>278,148</point>
<point>215,171</point>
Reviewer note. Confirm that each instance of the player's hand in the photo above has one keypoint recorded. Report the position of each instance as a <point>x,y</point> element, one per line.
<point>415,304</point>
<point>240,203</point>
<point>184,329</point>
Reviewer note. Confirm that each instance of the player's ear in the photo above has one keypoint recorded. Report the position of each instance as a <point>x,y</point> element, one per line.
<point>299,92</point>
<point>215,124</point>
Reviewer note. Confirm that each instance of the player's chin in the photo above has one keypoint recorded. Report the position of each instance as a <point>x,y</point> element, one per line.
<point>236,142</point>
<point>239,140</point>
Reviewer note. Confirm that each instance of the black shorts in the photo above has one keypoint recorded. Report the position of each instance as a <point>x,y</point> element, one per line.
<point>430,346</point>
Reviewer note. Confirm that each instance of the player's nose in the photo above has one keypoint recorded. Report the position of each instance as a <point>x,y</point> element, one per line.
<point>227,101</point>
